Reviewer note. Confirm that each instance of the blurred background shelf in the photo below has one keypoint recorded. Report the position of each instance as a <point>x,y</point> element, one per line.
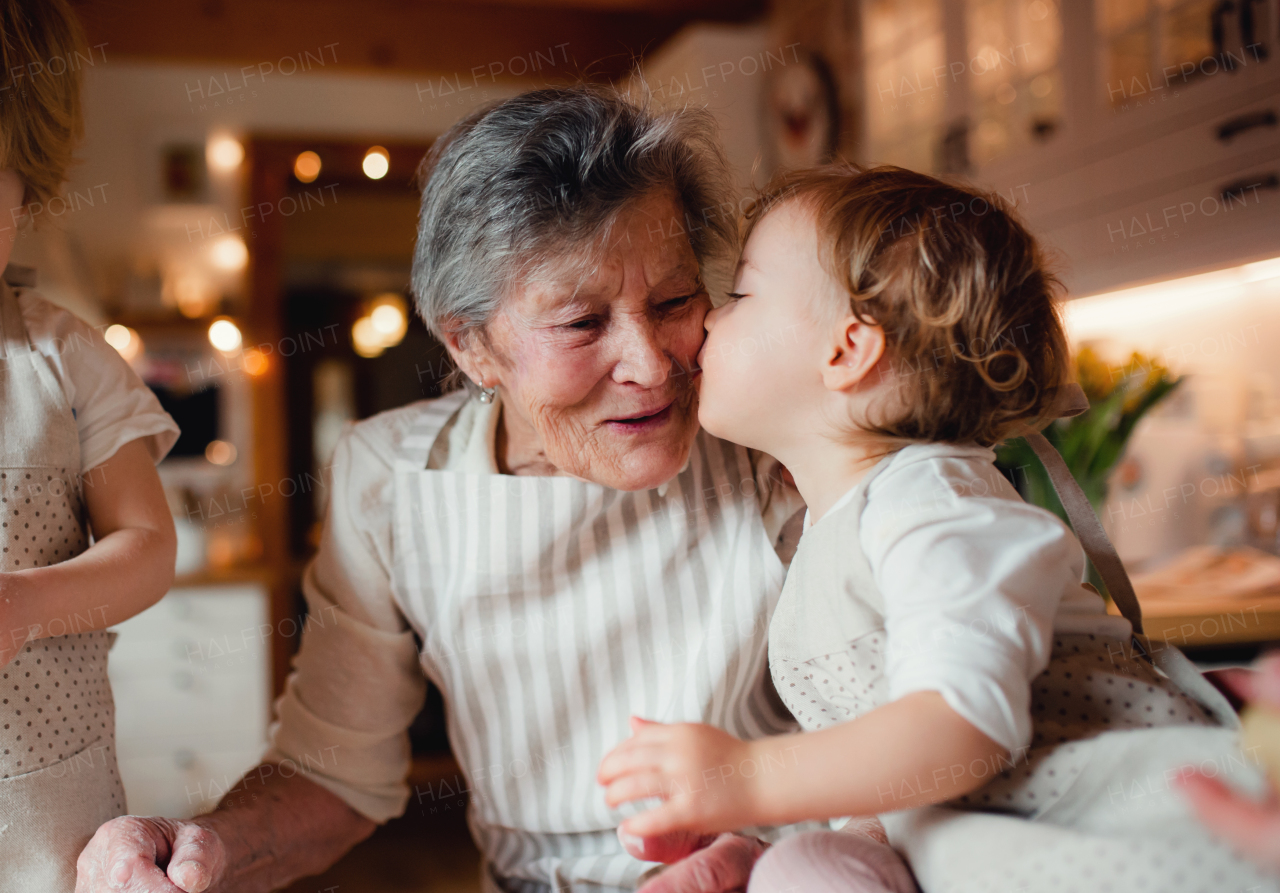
<point>1211,623</point>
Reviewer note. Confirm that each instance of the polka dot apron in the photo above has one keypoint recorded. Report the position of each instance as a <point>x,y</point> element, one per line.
<point>58,776</point>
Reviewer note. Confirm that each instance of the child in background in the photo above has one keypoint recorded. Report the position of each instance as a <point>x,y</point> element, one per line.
<point>933,636</point>
<point>79,436</point>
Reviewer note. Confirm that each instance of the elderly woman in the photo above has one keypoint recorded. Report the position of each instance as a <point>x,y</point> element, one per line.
<point>557,546</point>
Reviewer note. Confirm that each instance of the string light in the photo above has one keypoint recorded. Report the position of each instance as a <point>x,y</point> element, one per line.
<point>224,153</point>
<point>229,253</point>
<point>377,161</point>
<point>384,326</point>
<point>306,167</point>
<point>125,340</point>
<point>220,452</point>
<point>224,334</point>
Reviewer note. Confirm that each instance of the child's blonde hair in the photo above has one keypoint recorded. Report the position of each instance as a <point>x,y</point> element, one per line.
<point>959,287</point>
<point>40,122</point>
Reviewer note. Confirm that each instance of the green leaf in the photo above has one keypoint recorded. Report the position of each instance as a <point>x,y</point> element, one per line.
<point>1090,431</point>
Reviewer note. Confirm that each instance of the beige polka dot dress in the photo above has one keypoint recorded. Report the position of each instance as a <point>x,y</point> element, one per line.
<point>58,775</point>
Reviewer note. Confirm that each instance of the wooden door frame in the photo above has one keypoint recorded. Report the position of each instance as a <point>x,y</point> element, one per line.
<point>269,159</point>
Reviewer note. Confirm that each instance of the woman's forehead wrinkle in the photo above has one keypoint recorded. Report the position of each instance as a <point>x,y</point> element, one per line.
<point>585,277</point>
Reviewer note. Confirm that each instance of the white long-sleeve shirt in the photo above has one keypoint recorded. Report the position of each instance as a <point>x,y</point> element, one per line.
<point>931,575</point>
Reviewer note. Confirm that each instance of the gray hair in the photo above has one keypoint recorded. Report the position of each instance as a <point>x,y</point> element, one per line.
<point>531,184</point>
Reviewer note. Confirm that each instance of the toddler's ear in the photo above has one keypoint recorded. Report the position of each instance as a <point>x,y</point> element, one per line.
<point>856,347</point>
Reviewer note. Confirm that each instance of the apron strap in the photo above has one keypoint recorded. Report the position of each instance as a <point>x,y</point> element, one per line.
<point>1088,529</point>
<point>1070,400</point>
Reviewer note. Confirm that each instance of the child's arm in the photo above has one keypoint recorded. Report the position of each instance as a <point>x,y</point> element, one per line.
<point>911,752</point>
<point>126,570</point>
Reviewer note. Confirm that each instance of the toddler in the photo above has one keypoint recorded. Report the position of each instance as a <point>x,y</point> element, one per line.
<point>933,637</point>
<point>79,436</point>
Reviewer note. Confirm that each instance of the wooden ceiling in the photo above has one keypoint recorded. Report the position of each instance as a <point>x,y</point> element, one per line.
<point>593,38</point>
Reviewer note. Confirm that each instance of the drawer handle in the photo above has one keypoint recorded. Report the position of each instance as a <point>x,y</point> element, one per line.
<point>1235,191</point>
<point>1241,123</point>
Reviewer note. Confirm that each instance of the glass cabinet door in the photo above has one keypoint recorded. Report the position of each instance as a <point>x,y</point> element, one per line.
<point>1015,84</point>
<point>1150,46</point>
<point>903,48</point>
<point>950,87</point>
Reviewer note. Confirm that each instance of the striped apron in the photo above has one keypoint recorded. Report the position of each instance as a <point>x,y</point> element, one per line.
<point>552,609</point>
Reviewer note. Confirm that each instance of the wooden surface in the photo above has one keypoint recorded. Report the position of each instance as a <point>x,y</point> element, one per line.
<point>1207,622</point>
<point>253,573</point>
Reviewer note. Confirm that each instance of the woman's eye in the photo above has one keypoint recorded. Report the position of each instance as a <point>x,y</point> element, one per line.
<point>735,296</point>
<point>582,324</point>
<point>676,303</point>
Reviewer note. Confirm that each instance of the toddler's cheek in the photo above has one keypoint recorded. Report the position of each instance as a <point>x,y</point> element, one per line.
<point>715,414</point>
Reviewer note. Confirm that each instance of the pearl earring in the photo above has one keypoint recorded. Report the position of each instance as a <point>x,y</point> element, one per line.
<point>487,394</point>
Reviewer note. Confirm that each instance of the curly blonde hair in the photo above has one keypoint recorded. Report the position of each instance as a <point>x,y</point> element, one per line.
<point>42,54</point>
<point>960,287</point>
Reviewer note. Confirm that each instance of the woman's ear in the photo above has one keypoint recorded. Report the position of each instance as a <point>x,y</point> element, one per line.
<point>856,348</point>
<point>469,354</point>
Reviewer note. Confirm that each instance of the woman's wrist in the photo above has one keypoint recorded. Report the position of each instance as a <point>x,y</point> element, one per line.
<point>287,828</point>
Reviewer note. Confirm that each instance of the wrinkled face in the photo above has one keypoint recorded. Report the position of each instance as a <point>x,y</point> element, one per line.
<point>598,366</point>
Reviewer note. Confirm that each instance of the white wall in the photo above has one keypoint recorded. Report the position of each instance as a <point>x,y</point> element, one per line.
<point>116,230</point>
<point>133,110</point>
<point>1193,459</point>
<point>713,66</point>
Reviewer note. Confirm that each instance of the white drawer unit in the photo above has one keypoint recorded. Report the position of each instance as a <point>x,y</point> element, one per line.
<point>1183,200</point>
<point>1172,175</point>
<point>191,678</point>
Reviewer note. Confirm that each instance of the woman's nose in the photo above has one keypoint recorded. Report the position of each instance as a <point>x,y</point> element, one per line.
<point>644,360</point>
<point>709,320</point>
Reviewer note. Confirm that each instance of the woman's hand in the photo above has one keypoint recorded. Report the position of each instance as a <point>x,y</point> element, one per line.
<point>696,769</point>
<point>267,832</point>
<point>721,864</point>
<point>151,855</point>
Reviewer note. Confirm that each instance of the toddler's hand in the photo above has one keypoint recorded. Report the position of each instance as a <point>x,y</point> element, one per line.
<point>697,769</point>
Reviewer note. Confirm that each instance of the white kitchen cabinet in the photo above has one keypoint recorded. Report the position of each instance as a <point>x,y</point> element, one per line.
<point>191,679</point>
<point>1139,139</point>
<point>1157,172</point>
<point>1189,184</point>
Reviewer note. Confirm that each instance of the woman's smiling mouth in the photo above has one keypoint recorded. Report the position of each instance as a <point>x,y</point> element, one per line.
<point>639,424</point>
